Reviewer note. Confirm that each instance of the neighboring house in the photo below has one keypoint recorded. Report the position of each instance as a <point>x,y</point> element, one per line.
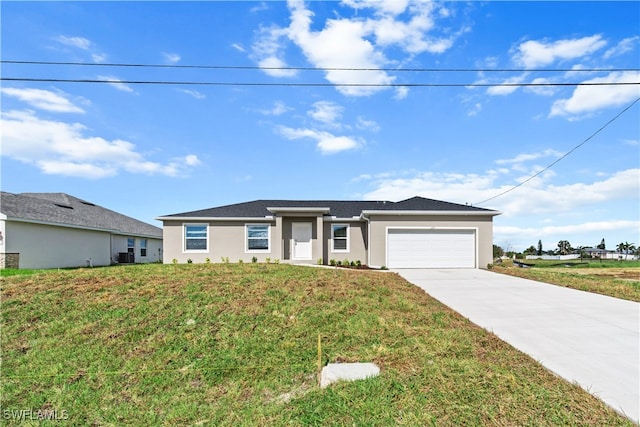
<point>53,230</point>
<point>413,233</point>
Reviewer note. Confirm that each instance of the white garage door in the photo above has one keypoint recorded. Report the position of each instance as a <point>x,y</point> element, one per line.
<point>419,248</point>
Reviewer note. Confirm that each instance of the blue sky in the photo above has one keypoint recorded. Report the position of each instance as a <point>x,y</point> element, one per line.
<point>148,150</point>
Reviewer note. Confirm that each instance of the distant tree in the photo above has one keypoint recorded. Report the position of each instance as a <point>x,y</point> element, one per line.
<point>564,247</point>
<point>539,248</point>
<point>497,251</point>
<point>602,245</point>
<point>625,248</point>
<point>531,250</point>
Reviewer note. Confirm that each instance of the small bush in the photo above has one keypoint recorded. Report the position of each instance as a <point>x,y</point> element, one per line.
<point>174,261</point>
<point>276,261</point>
<point>268,260</point>
<point>254,259</point>
<point>225,259</point>
<point>320,261</point>
<point>208,260</point>
<point>240,261</point>
<point>189,261</point>
<point>332,262</point>
<point>358,263</point>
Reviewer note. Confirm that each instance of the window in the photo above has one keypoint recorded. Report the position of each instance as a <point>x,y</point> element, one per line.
<point>143,247</point>
<point>131,244</point>
<point>339,238</point>
<point>195,237</point>
<point>258,238</point>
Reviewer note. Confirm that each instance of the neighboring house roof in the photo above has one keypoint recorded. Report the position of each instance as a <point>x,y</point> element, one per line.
<point>65,210</point>
<point>334,208</point>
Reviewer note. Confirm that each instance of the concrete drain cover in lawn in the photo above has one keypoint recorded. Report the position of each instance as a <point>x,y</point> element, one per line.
<point>334,372</point>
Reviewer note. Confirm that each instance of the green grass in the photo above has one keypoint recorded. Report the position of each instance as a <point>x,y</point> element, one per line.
<point>226,344</point>
<point>618,279</point>
<point>6,272</point>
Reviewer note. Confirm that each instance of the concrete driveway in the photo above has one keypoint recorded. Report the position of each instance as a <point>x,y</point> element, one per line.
<point>589,339</point>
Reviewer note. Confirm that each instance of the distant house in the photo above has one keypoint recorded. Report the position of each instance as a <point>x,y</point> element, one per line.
<point>51,230</point>
<point>413,233</point>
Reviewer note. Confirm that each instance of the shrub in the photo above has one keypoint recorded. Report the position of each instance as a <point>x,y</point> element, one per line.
<point>320,261</point>
<point>254,259</point>
<point>276,261</point>
<point>268,260</point>
<point>332,262</point>
<point>189,261</point>
<point>174,261</point>
<point>358,263</point>
<point>225,259</point>
<point>240,261</point>
<point>384,267</point>
<point>208,260</point>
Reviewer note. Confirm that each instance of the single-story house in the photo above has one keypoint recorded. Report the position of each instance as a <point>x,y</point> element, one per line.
<point>413,233</point>
<point>56,230</point>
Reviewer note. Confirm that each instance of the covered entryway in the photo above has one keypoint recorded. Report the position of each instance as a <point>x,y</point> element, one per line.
<point>431,248</point>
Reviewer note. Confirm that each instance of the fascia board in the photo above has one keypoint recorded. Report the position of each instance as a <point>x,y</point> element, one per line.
<point>276,209</point>
<point>214,218</point>
<point>431,213</point>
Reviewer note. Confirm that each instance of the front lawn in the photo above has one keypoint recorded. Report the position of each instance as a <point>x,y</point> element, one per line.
<point>229,344</point>
<point>618,279</point>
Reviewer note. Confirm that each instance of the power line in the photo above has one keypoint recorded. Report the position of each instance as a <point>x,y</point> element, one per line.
<point>563,156</point>
<point>289,84</point>
<point>249,67</point>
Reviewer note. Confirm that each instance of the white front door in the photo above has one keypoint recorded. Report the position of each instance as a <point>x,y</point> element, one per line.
<point>301,236</point>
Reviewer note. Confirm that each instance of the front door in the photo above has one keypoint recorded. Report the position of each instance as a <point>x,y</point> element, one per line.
<point>301,236</point>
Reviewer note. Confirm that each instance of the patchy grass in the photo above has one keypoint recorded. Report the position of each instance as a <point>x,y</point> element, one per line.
<point>226,344</point>
<point>619,279</point>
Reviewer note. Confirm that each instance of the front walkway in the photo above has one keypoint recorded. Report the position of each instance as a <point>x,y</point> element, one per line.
<point>590,339</point>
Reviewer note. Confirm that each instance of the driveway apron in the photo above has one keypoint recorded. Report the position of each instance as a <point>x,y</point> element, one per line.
<point>588,339</point>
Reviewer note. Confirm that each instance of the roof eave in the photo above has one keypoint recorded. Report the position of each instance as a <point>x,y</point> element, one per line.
<point>214,218</point>
<point>431,213</point>
<point>84,227</point>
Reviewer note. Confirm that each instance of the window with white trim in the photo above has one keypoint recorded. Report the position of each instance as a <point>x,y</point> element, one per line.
<point>339,238</point>
<point>196,237</point>
<point>143,247</point>
<point>258,238</point>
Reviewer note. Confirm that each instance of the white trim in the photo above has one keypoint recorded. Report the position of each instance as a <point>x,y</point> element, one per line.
<point>341,251</point>
<point>215,218</point>
<point>246,239</point>
<point>299,209</point>
<point>433,213</point>
<point>184,238</point>
<point>395,227</point>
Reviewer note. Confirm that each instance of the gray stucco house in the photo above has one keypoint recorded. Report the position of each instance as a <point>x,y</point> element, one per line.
<point>413,233</point>
<point>55,230</point>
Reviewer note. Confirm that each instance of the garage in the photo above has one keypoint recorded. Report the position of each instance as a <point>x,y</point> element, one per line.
<point>431,248</point>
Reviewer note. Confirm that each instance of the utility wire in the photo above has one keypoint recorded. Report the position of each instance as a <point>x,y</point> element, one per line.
<point>244,67</point>
<point>201,83</point>
<point>563,156</point>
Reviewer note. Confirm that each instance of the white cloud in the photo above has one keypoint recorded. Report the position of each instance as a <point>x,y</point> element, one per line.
<point>238,47</point>
<point>171,58</point>
<point>116,83</point>
<point>541,90</point>
<point>326,112</point>
<point>82,44</point>
<point>526,157</point>
<point>364,124</point>
<point>194,93</point>
<point>354,44</point>
<point>532,53</point>
<point>64,149</point>
<point>43,99</point>
<point>77,42</point>
<point>278,109</point>
<point>537,197</point>
<point>588,99</point>
<point>267,51</point>
<point>624,46</point>
<point>326,142</point>
<point>507,90</point>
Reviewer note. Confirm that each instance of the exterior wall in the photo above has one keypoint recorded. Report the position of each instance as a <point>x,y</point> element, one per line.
<point>379,224</point>
<point>119,243</point>
<point>357,243</point>
<point>225,239</point>
<point>47,246</point>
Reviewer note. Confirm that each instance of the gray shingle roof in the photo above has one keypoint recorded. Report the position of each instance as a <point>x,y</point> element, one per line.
<point>338,208</point>
<point>63,209</point>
